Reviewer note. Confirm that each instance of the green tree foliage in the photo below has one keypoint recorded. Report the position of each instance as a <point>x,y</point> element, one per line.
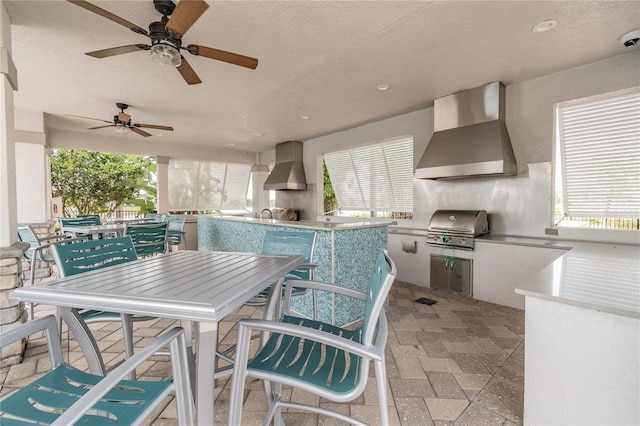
<point>98,182</point>
<point>330,201</point>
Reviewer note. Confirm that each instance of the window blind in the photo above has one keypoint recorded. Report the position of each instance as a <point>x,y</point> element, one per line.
<point>204,185</point>
<point>600,154</point>
<point>377,177</point>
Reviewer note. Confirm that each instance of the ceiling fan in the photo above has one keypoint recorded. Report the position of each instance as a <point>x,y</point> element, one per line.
<point>166,37</point>
<point>122,123</point>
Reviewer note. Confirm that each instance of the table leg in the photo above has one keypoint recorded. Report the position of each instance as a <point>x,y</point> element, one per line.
<point>85,339</point>
<point>205,362</point>
<point>189,328</point>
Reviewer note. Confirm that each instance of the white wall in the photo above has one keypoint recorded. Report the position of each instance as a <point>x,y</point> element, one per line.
<point>518,205</point>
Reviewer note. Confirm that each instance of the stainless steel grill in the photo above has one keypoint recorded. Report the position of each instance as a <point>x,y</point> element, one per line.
<point>457,228</point>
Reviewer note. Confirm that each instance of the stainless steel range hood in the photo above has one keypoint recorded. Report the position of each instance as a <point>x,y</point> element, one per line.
<point>288,173</point>
<point>470,136</point>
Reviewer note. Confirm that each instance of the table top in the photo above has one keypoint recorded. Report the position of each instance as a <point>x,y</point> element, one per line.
<point>186,285</point>
<point>88,229</point>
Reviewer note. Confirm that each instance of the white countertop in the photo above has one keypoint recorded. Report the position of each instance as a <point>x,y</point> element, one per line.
<point>305,224</point>
<point>525,241</point>
<point>603,277</point>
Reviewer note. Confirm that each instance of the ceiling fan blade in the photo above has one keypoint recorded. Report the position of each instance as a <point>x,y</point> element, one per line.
<point>95,9</point>
<point>221,55</point>
<point>105,53</point>
<point>185,15</point>
<point>99,127</point>
<point>124,117</point>
<point>154,126</point>
<point>188,73</point>
<point>87,118</point>
<point>140,132</point>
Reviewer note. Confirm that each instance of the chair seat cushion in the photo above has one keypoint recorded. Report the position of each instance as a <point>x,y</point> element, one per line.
<point>64,385</point>
<point>319,365</point>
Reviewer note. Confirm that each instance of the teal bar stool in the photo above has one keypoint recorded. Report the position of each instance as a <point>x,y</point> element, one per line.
<point>90,255</point>
<point>176,230</point>
<point>328,361</point>
<point>66,395</point>
<point>149,239</point>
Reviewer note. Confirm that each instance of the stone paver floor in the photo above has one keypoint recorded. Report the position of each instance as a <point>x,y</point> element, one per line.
<point>457,362</point>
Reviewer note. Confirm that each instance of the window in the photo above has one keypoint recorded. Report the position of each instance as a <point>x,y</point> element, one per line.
<point>373,178</point>
<point>598,161</point>
<point>204,185</point>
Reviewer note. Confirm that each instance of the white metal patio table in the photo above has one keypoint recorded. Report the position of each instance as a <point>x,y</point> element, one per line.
<point>198,286</point>
<point>95,230</point>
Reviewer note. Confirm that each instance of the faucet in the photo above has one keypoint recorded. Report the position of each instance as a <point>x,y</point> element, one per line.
<point>269,213</point>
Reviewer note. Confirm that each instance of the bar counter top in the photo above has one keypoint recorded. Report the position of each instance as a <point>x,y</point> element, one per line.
<point>304,224</point>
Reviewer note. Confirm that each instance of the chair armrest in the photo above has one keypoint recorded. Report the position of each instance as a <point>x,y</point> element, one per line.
<point>48,324</point>
<point>370,352</point>
<point>319,285</point>
<point>307,266</point>
<point>61,239</point>
<point>175,337</point>
<point>49,238</point>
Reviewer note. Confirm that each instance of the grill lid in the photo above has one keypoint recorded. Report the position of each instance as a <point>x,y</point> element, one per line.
<point>469,222</point>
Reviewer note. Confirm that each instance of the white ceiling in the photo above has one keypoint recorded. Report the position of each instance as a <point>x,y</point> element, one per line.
<point>321,59</point>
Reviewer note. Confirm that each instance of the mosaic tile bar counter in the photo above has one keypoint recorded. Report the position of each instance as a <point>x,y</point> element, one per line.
<point>343,254</point>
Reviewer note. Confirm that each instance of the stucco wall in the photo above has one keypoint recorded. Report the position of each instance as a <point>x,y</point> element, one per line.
<point>529,118</point>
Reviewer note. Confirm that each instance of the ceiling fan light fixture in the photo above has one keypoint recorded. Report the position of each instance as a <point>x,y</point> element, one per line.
<point>122,129</point>
<point>164,53</point>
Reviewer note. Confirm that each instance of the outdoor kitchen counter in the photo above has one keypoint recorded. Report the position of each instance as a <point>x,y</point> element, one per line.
<point>582,328</point>
<point>603,277</point>
<point>343,254</point>
<point>302,224</point>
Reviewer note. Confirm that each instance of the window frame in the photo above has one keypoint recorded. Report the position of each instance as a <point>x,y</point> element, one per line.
<point>563,218</point>
<point>386,176</point>
<point>227,180</point>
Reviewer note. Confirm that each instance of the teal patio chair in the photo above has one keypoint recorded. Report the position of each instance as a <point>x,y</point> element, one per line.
<point>66,395</point>
<point>323,359</point>
<point>149,238</point>
<point>90,216</point>
<point>39,250</point>
<point>158,217</point>
<point>89,255</point>
<point>289,243</point>
<point>176,230</point>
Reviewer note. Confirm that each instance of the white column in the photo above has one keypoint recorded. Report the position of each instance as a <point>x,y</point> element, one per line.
<point>8,83</point>
<point>162,173</point>
<point>33,176</point>
<point>260,196</point>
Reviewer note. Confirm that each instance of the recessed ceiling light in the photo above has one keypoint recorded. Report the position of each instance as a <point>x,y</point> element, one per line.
<point>544,26</point>
<point>159,134</point>
<point>304,117</point>
<point>382,87</point>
